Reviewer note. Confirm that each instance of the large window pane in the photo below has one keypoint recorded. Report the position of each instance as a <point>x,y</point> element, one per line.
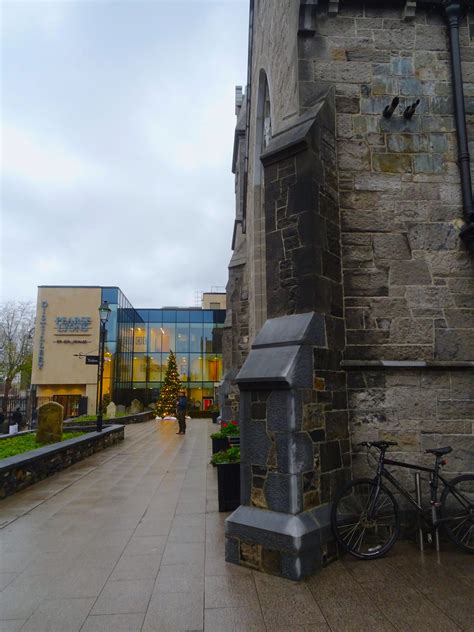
<point>168,332</point>
<point>196,362</point>
<point>143,314</point>
<point>169,316</point>
<point>111,326</point>
<point>212,368</point>
<point>195,335</point>
<point>155,333</point>
<point>182,337</point>
<point>155,374</point>
<point>161,338</point>
<point>219,315</point>
<point>208,333</point>
<point>182,362</point>
<point>140,367</point>
<point>155,316</point>
<point>182,316</point>
<point>140,339</point>
<point>109,294</point>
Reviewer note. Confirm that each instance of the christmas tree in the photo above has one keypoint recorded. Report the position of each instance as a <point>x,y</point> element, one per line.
<point>166,404</point>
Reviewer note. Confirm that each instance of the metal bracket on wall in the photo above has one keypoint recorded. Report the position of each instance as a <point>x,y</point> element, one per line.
<point>307,18</point>
<point>409,11</point>
<point>333,7</point>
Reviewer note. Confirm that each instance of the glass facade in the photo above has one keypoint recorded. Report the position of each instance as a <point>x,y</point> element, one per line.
<point>139,342</point>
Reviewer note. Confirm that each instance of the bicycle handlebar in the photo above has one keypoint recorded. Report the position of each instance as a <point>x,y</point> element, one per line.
<point>381,445</point>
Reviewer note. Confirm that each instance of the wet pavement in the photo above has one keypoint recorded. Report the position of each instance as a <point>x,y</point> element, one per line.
<point>130,540</point>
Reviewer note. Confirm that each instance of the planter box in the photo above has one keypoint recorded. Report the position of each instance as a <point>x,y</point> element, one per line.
<point>228,486</point>
<point>219,445</point>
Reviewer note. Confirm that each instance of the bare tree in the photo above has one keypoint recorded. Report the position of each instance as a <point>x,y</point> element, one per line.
<point>17,320</point>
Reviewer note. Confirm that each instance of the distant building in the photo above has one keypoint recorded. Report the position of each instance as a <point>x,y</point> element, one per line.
<point>137,348</point>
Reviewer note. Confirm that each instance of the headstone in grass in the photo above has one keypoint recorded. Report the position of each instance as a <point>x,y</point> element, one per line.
<point>120,409</point>
<point>111,410</point>
<point>136,407</point>
<point>50,423</point>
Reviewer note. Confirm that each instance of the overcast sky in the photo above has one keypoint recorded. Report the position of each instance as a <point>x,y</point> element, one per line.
<point>116,146</point>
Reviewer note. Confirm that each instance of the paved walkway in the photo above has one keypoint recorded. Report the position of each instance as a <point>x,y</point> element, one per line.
<point>130,540</point>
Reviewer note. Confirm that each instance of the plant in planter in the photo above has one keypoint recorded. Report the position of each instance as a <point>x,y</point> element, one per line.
<point>220,439</point>
<point>228,478</point>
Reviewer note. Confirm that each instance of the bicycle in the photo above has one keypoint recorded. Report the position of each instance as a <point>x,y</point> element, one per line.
<point>365,515</point>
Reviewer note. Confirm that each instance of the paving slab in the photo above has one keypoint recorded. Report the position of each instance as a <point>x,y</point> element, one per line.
<point>130,540</point>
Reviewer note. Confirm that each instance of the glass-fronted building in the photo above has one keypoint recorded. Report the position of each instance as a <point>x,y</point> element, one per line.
<point>138,345</point>
<point>139,342</point>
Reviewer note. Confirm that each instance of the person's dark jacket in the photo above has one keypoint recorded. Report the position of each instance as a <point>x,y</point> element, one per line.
<point>182,402</point>
<point>17,418</point>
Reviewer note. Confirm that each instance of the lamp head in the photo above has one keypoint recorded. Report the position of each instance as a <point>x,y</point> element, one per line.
<point>104,312</point>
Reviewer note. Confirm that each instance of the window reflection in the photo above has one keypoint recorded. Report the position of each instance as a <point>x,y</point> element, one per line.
<point>155,367</point>
<point>195,337</point>
<point>182,362</point>
<point>168,337</point>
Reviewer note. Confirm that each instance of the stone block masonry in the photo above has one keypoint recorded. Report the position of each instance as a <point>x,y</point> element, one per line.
<point>406,273</point>
<point>399,191</point>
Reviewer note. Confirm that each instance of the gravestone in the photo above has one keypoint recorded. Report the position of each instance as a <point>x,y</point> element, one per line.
<point>111,410</point>
<point>136,407</point>
<point>50,423</point>
<point>120,409</point>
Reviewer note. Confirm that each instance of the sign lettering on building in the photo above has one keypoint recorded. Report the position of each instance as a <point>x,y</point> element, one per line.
<point>73,325</point>
<point>44,305</point>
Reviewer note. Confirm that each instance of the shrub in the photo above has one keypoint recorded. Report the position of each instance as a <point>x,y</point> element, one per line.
<point>230,428</point>
<point>232,455</point>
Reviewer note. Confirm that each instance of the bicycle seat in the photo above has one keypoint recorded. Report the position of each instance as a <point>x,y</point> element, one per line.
<point>440,451</point>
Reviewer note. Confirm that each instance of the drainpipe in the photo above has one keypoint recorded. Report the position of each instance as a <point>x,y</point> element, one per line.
<point>248,96</point>
<point>453,13</point>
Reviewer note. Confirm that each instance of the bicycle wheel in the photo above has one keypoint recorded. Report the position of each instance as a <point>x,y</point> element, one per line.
<point>363,525</point>
<point>457,508</point>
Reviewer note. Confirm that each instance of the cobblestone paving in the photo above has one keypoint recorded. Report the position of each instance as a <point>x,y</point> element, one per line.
<point>130,540</point>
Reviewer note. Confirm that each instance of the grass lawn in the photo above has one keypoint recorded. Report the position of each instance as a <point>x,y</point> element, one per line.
<point>25,443</point>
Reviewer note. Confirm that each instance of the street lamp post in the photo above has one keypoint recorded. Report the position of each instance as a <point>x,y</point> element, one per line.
<point>104,312</point>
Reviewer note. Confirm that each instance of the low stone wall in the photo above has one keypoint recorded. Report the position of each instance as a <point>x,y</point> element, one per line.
<point>137,418</point>
<point>22,470</point>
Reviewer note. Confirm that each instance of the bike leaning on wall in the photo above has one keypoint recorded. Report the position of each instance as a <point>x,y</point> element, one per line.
<point>365,515</point>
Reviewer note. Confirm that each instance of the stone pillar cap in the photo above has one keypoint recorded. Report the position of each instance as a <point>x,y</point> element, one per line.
<point>295,329</point>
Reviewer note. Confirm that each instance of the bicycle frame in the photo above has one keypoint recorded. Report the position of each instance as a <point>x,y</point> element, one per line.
<point>435,477</point>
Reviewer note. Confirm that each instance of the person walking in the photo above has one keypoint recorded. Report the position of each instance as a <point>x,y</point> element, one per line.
<point>17,418</point>
<point>181,412</point>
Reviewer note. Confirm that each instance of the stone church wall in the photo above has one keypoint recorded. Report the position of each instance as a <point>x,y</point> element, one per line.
<point>408,279</point>
<point>362,216</point>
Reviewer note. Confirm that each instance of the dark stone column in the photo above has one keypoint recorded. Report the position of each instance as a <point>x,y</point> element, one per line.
<point>295,449</point>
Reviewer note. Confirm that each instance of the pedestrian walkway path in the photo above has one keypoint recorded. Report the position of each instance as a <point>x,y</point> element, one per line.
<point>130,540</point>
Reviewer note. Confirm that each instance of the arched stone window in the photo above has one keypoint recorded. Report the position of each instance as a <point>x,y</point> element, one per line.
<point>263,134</point>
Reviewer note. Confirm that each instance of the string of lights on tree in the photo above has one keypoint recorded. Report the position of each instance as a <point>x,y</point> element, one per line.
<point>166,404</point>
